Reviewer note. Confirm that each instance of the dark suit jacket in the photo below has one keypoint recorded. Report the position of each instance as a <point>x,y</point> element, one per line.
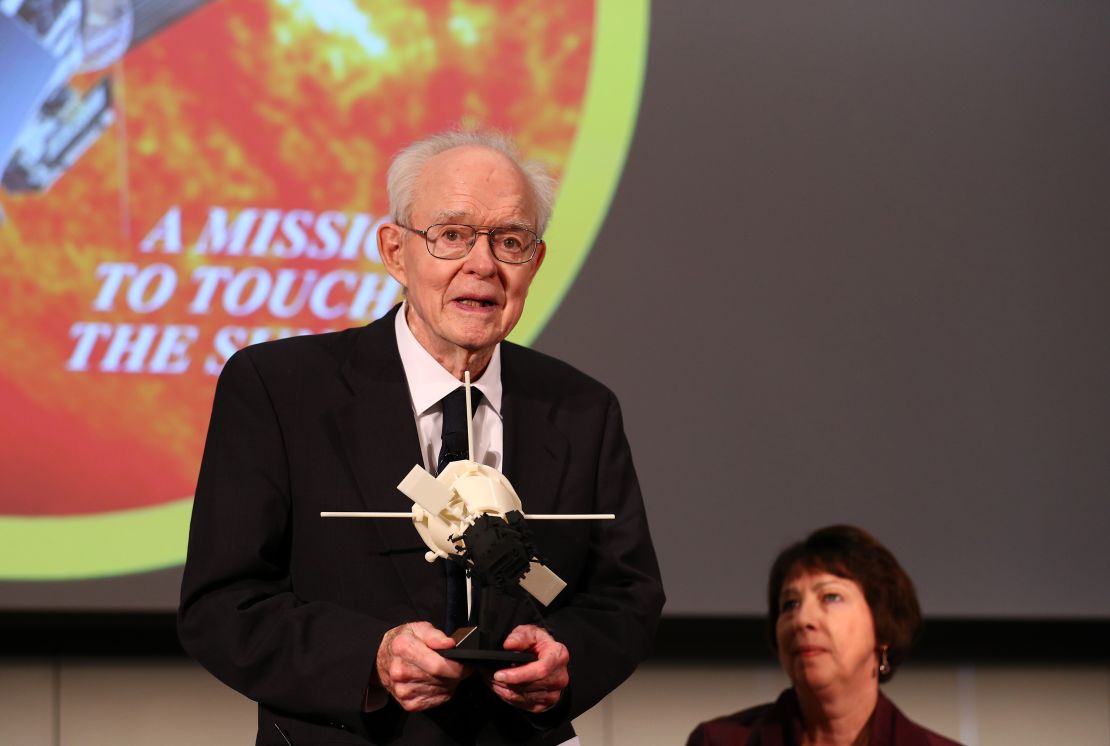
<point>289,608</point>
<point>780,724</point>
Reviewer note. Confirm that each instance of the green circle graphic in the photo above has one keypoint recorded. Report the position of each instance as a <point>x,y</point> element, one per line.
<point>596,159</point>
<point>152,538</point>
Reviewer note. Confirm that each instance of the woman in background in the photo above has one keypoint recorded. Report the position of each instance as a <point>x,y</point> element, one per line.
<point>842,616</point>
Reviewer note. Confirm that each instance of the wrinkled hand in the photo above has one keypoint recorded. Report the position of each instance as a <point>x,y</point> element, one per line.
<point>535,686</point>
<point>411,670</point>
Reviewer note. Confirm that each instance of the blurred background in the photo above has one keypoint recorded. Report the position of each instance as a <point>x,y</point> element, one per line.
<point>840,262</point>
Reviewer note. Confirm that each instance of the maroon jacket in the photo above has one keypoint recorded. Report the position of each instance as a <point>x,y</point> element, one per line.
<point>780,724</point>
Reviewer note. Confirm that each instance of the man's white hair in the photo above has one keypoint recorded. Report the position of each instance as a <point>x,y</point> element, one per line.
<point>407,165</point>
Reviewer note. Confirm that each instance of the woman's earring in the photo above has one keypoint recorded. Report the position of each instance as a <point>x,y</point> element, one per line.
<point>884,664</point>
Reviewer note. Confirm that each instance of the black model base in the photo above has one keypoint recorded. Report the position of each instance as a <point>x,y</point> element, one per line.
<point>469,650</point>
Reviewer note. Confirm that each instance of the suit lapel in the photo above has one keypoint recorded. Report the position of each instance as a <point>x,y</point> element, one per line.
<point>379,440</point>
<point>535,450</point>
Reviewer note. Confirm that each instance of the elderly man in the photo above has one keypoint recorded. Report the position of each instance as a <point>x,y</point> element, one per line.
<point>326,624</point>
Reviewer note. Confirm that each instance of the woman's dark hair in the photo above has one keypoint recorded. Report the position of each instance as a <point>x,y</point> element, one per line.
<point>853,553</point>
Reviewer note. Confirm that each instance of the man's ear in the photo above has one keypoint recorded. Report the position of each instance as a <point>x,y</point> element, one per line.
<point>390,242</point>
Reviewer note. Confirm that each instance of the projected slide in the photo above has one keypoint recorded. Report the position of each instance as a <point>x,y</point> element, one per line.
<point>183,179</point>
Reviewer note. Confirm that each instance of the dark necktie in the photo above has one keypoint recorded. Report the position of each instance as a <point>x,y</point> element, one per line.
<point>454,447</point>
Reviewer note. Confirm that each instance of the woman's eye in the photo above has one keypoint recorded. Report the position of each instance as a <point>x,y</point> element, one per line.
<point>789,605</point>
<point>833,597</point>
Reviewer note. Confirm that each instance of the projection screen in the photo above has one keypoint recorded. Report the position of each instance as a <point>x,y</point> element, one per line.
<point>841,263</point>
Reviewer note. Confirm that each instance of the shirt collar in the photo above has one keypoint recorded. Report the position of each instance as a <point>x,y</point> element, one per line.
<point>429,381</point>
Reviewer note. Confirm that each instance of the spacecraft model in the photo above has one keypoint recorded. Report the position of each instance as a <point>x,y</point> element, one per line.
<point>45,123</point>
<point>470,514</point>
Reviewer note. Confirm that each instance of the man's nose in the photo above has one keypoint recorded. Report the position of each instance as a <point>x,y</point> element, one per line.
<point>480,259</point>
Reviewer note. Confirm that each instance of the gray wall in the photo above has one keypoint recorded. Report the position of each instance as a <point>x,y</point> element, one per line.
<point>100,702</point>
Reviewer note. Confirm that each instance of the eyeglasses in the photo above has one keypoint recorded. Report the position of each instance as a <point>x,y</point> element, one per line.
<point>512,245</point>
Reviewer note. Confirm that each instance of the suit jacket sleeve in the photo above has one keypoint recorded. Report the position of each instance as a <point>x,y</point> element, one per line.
<point>608,614</point>
<point>239,616</point>
<point>611,621</point>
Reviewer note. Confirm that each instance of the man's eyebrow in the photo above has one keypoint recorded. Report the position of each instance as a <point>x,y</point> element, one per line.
<point>460,217</point>
<point>450,216</point>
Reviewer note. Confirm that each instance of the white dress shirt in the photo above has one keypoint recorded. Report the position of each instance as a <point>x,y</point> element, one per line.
<point>429,382</point>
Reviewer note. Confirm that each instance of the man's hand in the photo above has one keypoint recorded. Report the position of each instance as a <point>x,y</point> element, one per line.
<point>535,686</point>
<point>412,671</point>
